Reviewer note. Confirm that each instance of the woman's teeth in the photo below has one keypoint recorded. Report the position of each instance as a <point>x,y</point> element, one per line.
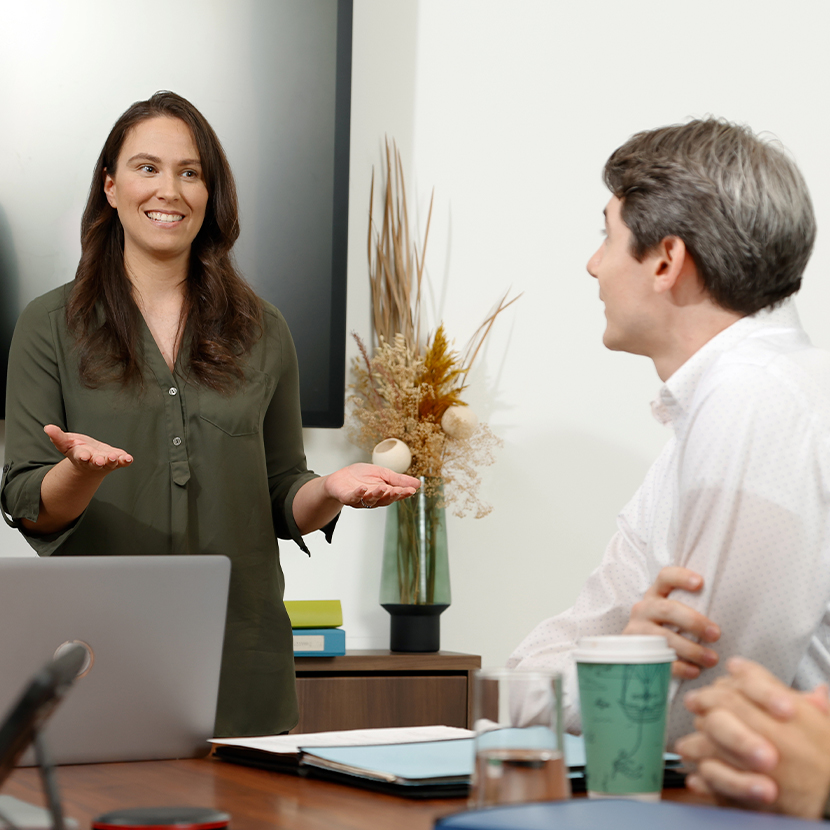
<point>165,217</point>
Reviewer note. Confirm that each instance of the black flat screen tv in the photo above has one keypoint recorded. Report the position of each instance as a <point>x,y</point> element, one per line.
<point>297,260</point>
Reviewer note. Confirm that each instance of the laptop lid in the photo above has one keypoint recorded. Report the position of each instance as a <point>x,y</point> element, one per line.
<point>154,627</point>
<point>34,706</point>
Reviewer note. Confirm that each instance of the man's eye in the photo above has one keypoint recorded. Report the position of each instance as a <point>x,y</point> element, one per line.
<point>147,168</point>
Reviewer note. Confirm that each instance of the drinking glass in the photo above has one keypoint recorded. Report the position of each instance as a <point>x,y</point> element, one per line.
<point>519,749</point>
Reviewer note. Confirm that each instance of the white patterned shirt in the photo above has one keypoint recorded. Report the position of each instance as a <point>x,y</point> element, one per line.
<point>740,495</point>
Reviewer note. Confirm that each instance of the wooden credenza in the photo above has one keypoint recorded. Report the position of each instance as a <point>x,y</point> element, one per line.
<point>372,689</point>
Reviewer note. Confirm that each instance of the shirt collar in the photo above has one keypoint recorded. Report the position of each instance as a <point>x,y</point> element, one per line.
<point>676,393</point>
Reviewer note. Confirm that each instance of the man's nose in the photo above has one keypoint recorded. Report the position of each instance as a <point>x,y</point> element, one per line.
<point>593,263</point>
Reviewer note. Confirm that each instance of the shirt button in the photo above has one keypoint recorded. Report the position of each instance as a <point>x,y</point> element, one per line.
<point>177,441</point>
<point>172,390</point>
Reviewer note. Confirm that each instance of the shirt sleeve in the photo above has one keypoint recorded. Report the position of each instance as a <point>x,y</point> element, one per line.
<point>601,608</point>
<point>751,518</point>
<point>283,436</point>
<point>33,400</point>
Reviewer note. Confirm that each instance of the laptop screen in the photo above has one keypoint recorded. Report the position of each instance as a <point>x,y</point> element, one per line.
<point>153,628</point>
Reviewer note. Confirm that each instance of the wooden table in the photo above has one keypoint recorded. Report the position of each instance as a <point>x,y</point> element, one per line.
<point>256,799</point>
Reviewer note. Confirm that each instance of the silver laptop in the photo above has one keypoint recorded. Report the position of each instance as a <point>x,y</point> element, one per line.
<point>154,627</point>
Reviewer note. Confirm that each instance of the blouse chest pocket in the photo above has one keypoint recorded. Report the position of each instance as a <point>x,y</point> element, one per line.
<point>241,411</point>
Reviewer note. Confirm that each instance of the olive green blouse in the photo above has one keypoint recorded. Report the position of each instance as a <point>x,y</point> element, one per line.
<point>212,474</point>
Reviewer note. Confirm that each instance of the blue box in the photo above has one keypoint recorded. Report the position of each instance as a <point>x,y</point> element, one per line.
<point>319,642</point>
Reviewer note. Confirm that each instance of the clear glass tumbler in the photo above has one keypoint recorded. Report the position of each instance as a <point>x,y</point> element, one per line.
<point>519,742</point>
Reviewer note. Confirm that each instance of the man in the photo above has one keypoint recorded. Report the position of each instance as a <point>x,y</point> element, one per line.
<point>760,744</point>
<point>708,232</point>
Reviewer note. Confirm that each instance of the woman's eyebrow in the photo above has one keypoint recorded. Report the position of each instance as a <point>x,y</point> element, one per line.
<point>157,160</point>
<point>144,156</point>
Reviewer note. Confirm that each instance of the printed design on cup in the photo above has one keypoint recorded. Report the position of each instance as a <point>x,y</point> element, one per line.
<point>643,701</point>
<point>638,692</point>
<point>644,692</point>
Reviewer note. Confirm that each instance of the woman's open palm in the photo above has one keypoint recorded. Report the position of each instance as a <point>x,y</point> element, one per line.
<point>86,453</point>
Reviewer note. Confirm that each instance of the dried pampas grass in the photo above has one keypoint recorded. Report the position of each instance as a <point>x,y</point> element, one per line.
<point>404,388</point>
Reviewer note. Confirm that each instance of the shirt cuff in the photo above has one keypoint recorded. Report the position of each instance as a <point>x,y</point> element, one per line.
<point>21,494</point>
<point>21,500</point>
<point>291,524</point>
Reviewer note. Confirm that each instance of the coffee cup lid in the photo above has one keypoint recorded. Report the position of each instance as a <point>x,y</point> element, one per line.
<point>624,649</point>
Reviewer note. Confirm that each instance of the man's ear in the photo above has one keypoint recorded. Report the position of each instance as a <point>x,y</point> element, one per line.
<point>671,263</point>
<point>109,189</point>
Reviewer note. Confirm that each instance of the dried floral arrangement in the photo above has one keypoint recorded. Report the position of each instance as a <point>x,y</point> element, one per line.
<point>407,395</point>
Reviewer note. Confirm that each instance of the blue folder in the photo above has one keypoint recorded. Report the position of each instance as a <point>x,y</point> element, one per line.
<point>413,764</point>
<point>429,769</point>
<point>620,814</point>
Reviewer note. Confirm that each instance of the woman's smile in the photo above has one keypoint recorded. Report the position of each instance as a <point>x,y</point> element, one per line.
<point>164,218</point>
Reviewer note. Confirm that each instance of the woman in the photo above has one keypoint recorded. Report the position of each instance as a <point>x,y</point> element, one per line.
<point>153,402</point>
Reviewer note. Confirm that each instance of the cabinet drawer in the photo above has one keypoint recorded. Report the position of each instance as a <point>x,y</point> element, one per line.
<point>363,702</point>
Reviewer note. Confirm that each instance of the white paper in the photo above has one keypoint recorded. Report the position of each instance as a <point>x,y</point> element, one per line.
<point>29,816</point>
<point>291,744</point>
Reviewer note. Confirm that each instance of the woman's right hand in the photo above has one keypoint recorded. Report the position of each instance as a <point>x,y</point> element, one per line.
<point>68,487</point>
<point>87,454</point>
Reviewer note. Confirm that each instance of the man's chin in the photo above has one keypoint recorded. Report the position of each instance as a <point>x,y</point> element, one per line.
<point>611,342</point>
<point>628,345</point>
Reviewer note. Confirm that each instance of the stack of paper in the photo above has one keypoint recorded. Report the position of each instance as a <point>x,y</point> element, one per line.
<point>417,762</point>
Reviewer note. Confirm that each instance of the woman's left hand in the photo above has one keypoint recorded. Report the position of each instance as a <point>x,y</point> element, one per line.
<point>367,485</point>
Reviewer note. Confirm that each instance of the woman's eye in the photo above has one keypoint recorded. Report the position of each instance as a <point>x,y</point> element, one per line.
<point>147,168</point>
<point>190,174</point>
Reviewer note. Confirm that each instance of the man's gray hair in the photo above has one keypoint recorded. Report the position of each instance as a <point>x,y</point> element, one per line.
<point>737,201</point>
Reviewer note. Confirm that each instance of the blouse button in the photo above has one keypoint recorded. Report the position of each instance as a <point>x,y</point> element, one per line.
<point>177,441</point>
<point>172,390</point>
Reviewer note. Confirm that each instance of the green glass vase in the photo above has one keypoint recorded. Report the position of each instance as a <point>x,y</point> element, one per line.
<point>415,581</point>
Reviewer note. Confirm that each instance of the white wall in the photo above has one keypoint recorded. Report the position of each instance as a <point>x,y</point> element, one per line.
<point>516,106</point>
<point>510,109</point>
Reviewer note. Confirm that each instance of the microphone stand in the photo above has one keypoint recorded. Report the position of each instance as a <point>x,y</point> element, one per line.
<point>50,783</point>
<point>50,787</point>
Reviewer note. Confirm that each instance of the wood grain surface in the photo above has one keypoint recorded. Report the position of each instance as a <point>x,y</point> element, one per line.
<point>376,689</point>
<point>256,799</point>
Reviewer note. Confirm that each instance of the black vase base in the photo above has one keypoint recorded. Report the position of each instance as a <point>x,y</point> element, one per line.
<point>415,628</point>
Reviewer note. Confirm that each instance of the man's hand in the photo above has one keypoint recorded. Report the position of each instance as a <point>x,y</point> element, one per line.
<point>759,743</point>
<point>655,613</point>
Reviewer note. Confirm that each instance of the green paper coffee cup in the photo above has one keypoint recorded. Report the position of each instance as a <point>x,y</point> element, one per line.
<point>623,696</point>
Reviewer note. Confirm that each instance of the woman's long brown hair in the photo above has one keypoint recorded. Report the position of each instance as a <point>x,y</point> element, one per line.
<point>223,315</point>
